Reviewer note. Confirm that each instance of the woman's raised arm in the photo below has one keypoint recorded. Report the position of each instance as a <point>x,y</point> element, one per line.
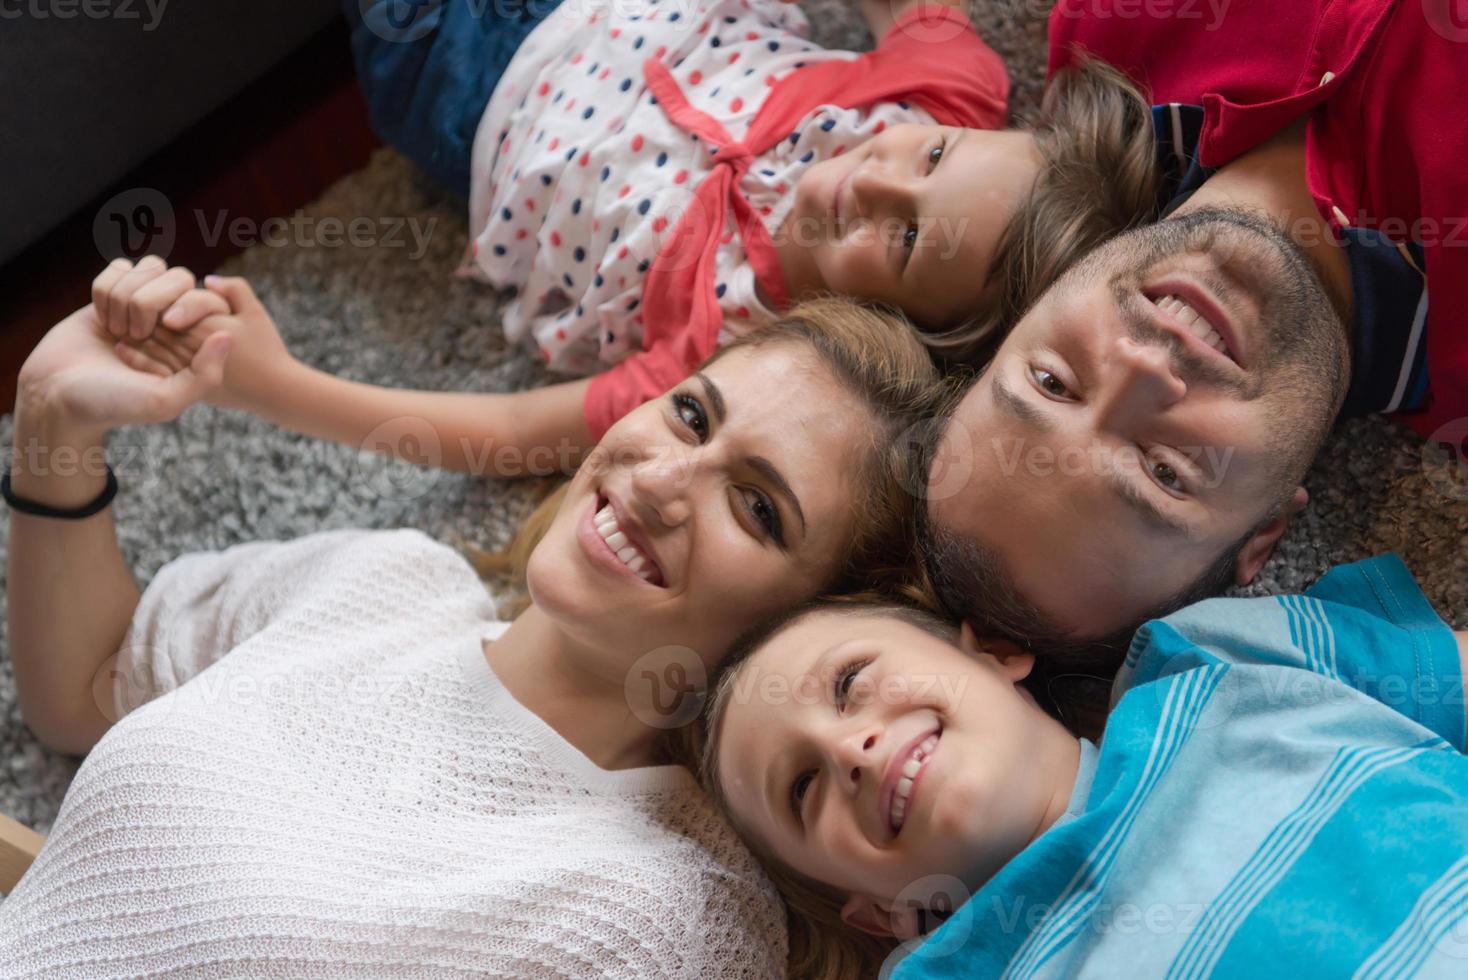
<point>71,595</point>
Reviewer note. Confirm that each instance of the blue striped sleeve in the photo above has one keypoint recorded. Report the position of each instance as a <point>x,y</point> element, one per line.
<point>1366,625</point>
<point>1395,646</point>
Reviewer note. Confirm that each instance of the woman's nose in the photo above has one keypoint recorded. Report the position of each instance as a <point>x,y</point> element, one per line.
<point>661,487</point>
<point>1145,381</point>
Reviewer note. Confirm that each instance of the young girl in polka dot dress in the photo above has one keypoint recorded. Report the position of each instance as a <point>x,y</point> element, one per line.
<point>651,178</point>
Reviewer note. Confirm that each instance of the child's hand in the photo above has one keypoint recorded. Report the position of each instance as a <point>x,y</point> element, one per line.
<point>79,375</point>
<point>256,372</point>
<point>129,299</point>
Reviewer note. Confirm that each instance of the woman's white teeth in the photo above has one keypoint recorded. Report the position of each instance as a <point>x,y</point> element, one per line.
<point>1197,325</point>
<point>611,533</point>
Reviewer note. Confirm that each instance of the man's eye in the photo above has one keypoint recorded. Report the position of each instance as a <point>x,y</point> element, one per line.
<point>1166,475</point>
<point>690,412</point>
<point>1050,384</point>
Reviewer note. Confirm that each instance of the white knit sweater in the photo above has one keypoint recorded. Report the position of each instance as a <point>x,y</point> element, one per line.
<point>327,780</point>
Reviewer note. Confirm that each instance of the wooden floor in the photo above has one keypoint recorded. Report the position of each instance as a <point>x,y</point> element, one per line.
<point>271,149</point>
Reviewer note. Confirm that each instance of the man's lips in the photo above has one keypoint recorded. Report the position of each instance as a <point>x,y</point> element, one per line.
<point>1206,306</point>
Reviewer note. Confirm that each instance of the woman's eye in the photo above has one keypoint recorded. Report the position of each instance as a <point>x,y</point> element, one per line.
<point>766,515</point>
<point>1050,384</point>
<point>690,413</point>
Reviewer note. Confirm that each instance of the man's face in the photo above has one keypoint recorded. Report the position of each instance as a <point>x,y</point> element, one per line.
<point>1158,402</point>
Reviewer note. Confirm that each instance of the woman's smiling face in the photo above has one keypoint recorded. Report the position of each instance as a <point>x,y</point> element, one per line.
<point>723,501</point>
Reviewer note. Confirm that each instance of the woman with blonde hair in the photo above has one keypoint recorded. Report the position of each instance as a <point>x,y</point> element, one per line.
<point>328,756</point>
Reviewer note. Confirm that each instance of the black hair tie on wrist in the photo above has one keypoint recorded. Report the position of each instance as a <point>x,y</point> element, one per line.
<point>23,506</point>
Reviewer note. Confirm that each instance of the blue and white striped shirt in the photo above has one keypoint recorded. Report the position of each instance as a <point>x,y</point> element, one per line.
<point>1280,792</point>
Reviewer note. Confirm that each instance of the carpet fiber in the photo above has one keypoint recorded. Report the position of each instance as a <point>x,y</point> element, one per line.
<point>386,314</point>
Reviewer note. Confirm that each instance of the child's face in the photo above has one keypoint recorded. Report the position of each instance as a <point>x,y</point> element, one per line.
<point>829,717</point>
<point>911,217</point>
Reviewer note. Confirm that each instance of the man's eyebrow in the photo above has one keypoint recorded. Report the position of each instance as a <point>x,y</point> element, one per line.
<point>767,469</point>
<point>1019,408</point>
<point>715,396</point>
<point>1146,508</point>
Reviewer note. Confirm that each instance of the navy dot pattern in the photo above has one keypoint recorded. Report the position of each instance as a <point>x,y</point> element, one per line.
<point>579,176</point>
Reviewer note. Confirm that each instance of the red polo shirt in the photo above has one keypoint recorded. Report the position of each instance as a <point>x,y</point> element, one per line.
<point>1385,83</point>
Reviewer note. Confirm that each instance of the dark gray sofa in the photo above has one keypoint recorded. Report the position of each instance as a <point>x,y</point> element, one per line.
<point>90,88</point>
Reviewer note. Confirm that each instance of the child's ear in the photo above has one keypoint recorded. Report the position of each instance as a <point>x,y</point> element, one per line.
<point>878,918</point>
<point>1014,661</point>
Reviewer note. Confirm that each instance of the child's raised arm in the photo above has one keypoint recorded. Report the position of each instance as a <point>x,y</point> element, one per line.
<point>532,433</point>
<point>514,434</point>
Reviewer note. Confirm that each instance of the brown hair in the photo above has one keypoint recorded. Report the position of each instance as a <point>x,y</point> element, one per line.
<point>1099,178</point>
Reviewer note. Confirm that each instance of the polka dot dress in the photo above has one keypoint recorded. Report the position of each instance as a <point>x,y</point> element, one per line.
<point>578,176</point>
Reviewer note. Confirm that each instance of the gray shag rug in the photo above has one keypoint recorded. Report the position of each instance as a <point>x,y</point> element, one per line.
<point>387,315</point>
